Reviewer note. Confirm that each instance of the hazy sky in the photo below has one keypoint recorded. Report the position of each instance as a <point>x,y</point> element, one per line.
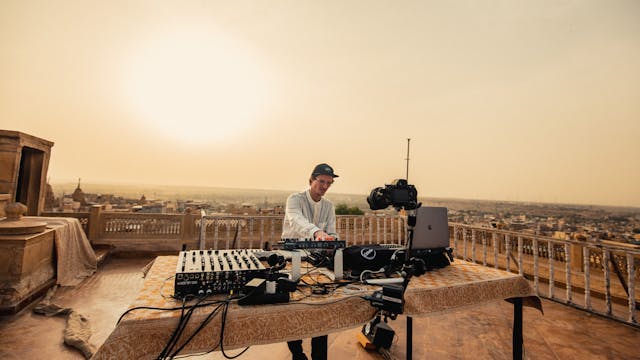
<point>509,100</point>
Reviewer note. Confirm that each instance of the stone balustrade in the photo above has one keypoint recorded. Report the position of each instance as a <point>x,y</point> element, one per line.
<point>601,270</point>
<point>605,271</point>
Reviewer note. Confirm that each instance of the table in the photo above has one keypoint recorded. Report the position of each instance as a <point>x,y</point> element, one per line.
<point>142,334</point>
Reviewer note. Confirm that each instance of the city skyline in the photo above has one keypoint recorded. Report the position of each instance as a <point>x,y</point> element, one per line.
<point>512,101</point>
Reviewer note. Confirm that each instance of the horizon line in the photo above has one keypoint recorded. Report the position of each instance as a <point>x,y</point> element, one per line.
<point>634,207</point>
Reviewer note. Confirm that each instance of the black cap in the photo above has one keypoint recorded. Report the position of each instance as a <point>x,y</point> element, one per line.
<point>323,169</point>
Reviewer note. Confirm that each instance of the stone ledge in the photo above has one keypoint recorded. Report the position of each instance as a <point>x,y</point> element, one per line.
<point>28,299</point>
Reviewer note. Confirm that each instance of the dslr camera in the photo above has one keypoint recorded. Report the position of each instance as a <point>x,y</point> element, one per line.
<point>399,194</point>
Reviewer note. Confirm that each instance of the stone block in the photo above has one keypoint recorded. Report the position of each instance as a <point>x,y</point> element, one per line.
<point>7,166</point>
<point>27,265</point>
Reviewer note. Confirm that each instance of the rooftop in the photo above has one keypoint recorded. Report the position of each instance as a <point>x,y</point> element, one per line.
<point>480,332</point>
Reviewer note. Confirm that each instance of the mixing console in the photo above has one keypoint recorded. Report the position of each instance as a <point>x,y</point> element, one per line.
<point>205,272</point>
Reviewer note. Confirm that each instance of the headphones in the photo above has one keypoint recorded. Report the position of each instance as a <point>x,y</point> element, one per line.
<point>419,266</point>
<point>276,261</point>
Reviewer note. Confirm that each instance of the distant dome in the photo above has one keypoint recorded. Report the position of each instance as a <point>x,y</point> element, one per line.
<point>49,197</point>
<point>78,195</point>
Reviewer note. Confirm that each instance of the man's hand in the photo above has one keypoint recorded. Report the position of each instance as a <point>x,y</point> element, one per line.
<point>322,236</point>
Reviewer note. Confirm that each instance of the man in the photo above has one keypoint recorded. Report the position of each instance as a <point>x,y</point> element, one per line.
<point>309,215</point>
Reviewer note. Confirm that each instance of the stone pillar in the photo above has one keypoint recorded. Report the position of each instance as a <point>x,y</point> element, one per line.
<point>94,222</point>
<point>188,226</point>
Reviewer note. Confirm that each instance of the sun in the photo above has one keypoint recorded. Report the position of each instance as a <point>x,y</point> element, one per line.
<point>196,85</point>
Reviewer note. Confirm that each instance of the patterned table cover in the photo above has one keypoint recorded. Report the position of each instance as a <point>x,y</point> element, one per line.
<point>143,333</point>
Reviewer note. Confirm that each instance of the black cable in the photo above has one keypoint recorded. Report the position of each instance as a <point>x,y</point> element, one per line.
<point>196,331</point>
<point>172,339</point>
<point>235,236</point>
<point>173,335</point>
<point>177,334</point>
<point>224,321</point>
<point>163,309</point>
<point>203,324</point>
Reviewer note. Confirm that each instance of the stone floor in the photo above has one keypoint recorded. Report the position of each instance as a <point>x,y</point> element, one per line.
<point>481,332</point>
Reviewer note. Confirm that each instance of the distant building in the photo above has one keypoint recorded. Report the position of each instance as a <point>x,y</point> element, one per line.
<point>78,195</point>
<point>49,198</point>
<point>276,210</point>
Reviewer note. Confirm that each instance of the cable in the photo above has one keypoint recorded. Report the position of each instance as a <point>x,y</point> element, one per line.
<point>209,317</point>
<point>163,309</point>
<point>171,341</point>
<point>224,321</point>
<point>369,271</point>
<point>177,333</point>
<point>196,331</point>
<point>168,351</point>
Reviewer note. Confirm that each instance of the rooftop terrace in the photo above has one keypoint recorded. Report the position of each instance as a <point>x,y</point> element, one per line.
<point>482,332</point>
<point>605,327</point>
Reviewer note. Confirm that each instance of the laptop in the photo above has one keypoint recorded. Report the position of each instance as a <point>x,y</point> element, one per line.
<point>432,228</point>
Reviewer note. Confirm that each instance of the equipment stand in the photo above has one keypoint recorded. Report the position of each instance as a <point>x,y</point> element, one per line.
<point>409,337</point>
<point>517,329</point>
<point>411,223</point>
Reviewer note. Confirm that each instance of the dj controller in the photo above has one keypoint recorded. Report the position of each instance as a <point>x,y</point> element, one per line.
<point>309,244</point>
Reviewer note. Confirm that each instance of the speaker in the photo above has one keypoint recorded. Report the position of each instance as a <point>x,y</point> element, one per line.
<point>358,258</point>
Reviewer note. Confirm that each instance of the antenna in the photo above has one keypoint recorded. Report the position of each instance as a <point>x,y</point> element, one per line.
<point>408,141</point>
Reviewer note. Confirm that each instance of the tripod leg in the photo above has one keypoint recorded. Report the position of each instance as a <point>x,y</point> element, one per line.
<point>517,329</point>
<point>409,337</point>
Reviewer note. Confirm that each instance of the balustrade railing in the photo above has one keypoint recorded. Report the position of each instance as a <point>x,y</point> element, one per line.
<point>118,225</point>
<point>605,272</point>
<point>602,270</point>
<point>225,232</point>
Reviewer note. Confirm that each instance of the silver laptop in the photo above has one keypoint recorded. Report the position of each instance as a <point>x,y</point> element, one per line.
<point>432,228</point>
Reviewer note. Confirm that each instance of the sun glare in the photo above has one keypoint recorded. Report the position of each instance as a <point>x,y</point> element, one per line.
<point>197,85</point>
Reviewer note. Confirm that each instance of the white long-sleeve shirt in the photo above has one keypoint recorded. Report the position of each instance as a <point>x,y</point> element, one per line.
<point>303,216</point>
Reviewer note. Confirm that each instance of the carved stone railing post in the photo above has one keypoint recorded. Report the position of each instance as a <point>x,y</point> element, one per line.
<point>607,280</point>
<point>473,245</point>
<point>202,239</point>
<point>568,269</point>
<point>587,278</point>
<point>188,227</point>
<point>94,222</point>
<point>536,267</point>
<point>631,286</point>
<point>520,256</point>
<point>496,247</point>
<point>552,253</point>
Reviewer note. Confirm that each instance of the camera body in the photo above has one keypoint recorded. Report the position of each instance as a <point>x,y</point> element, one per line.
<point>399,194</point>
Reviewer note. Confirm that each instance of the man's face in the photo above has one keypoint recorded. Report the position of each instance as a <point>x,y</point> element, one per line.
<point>319,186</point>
